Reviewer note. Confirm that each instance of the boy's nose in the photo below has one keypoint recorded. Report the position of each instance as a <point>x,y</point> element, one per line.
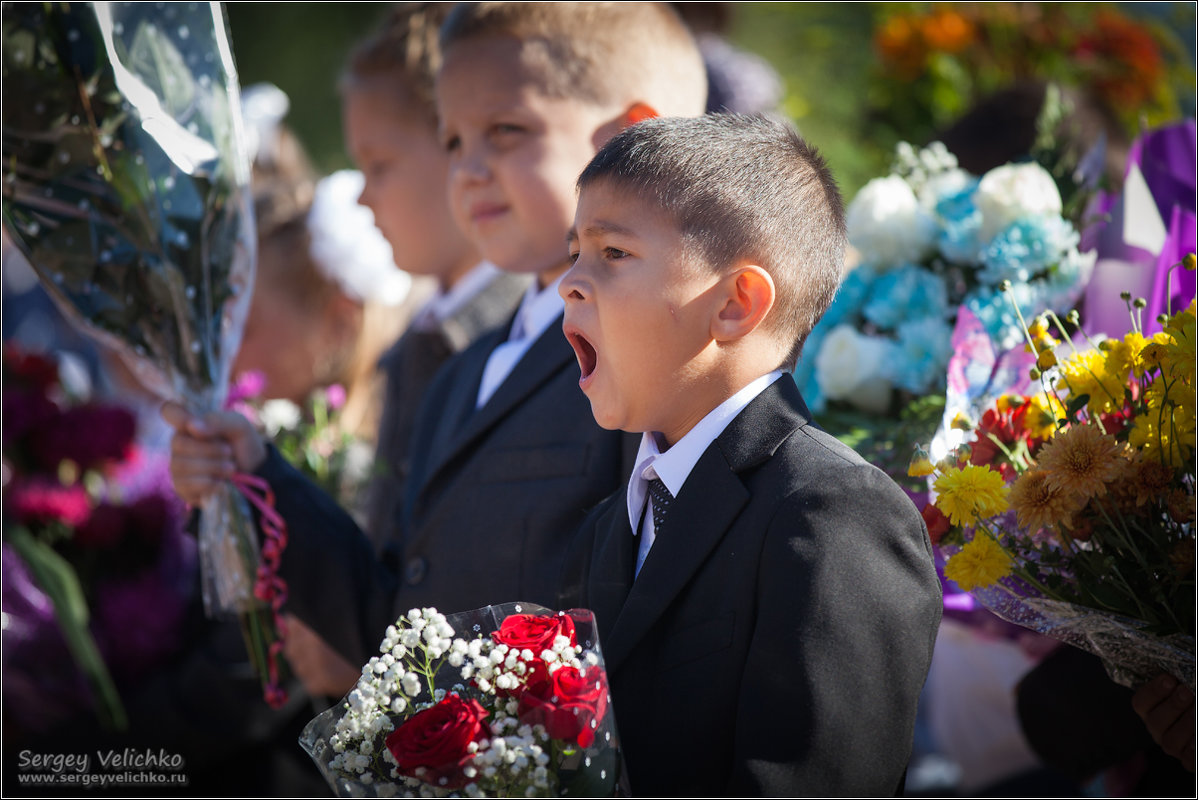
<point>573,286</point>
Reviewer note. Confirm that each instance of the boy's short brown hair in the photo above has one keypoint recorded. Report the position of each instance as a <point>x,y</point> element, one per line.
<point>741,189</point>
<point>602,53</point>
<point>404,49</point>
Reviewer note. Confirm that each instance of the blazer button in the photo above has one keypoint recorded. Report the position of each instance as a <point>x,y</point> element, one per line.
<point>415,571</point>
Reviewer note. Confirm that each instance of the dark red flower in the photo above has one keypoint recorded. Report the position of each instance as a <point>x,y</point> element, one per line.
<point>105,528</point>
<point>88,435</point>
<point>25,411</point>
<point>28,369</point>
<point>535,633</point>
<point>433,745</point>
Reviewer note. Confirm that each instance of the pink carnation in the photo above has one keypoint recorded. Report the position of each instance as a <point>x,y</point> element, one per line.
<point>42,500</point>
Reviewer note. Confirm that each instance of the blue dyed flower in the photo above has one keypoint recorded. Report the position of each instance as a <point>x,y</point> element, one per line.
<point>906,293</point>
<point>1026,248</point>
<point>921,355</point>
<point>960,221</point>
<point>993,308</point>
<point>849,297</point>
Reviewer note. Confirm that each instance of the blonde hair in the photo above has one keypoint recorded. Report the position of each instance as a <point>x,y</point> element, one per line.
<point>606,53</point>
<point>405,50</point>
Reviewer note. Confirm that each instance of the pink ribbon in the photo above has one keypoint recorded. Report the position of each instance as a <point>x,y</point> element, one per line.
<point>269,587</point>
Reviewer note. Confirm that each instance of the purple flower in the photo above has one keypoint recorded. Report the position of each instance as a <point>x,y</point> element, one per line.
<point>139,621</point>
<point>335,396</point>
<point>248,385</point>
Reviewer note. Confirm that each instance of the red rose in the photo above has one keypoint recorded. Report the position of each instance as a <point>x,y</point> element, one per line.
<point>569,704</point>
<point>529,632</point>
<point>436,740</point>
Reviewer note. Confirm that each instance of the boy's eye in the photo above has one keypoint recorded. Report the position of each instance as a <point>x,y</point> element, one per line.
<point>614,253</point>
<point>505,129</point>
<point>452,143</point>
<point>573,256</point>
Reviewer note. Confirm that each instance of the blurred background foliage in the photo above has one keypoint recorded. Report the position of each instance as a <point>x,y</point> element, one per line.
<point>859,77</point>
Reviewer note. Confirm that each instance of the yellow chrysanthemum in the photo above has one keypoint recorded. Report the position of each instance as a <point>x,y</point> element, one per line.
<point>1123,355</point>
<point>1086,373</point>
<point>970,493</point>
<point>1039,505</point>
<point>1043,411</point>
<point>1080,460</point>
<point>1167,443</point>
<point>981,562</point>
<point>1180,351</point>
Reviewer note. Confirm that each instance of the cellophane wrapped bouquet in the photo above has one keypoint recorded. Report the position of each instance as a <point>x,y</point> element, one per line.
<point>508,700</point>
<point>125,185</point>
<point>1069,507</point>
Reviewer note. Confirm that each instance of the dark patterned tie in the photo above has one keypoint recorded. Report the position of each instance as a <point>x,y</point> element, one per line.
<point>661,503</point>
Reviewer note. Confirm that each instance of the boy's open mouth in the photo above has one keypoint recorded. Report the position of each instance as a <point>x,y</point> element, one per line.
<point>585,352</point>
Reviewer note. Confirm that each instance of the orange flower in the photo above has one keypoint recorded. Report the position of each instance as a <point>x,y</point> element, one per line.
<point>899,44</point>
<point>948,31</point>
<point>1080,460</point>
<point>1038,504</point>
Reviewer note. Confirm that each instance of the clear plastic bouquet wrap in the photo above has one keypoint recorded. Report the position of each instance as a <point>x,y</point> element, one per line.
<point>126,187</point>
<point>508,700</point>
<point>1069,506</point>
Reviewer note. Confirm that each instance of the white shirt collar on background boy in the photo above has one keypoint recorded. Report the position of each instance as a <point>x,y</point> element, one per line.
<point>444,304</point>
<point>537,312</point>
<point>674,466</point>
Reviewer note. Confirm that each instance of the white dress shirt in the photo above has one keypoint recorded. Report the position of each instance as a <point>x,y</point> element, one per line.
<point>538,310</point>
<point>675,464</point>
<point>444,304</point>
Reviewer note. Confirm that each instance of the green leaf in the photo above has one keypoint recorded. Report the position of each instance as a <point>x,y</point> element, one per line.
<point>55,576</point>
<point>1076,404</point>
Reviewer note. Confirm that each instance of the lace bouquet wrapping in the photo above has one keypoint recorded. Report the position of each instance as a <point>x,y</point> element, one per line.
<point>126,186</point>
<point>1068,507</point>
<point>508,700</point>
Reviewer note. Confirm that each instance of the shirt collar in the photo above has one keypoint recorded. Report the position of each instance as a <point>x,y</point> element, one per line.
<point>444,304</point>
<point>538,309</point>
<point>674,466</point>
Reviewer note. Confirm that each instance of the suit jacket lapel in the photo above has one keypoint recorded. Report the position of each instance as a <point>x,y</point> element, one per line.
<point>708,504</point>
<point>612,559</point>
<point>547,355</point>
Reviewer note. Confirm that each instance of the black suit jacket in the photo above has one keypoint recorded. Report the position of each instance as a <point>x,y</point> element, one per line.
<point>410,366</point>
<point>781,628</point>
<point>493,498</point>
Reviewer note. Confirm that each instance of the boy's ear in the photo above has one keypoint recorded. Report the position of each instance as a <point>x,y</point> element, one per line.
<point>637,112</point>
<point>749,295</point>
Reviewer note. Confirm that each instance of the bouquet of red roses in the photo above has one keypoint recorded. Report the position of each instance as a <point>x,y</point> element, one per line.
<point>502,701</point>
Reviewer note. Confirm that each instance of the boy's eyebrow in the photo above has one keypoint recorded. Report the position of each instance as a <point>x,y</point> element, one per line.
<point>598,228</point>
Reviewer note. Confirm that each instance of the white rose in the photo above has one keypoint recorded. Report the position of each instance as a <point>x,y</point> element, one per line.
<point>278,415</point>
<point>1012,191</point>
<point>887,225</point>
<point>849,367</point>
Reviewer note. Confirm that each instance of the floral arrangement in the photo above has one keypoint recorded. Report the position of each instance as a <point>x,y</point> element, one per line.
<point>308,436</point>
<point>125,185</point>
<point>935,60</point>
<point>1070,509</point>
<point>96,562</point>
<point>501,701</point>
<point>933,238</point>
